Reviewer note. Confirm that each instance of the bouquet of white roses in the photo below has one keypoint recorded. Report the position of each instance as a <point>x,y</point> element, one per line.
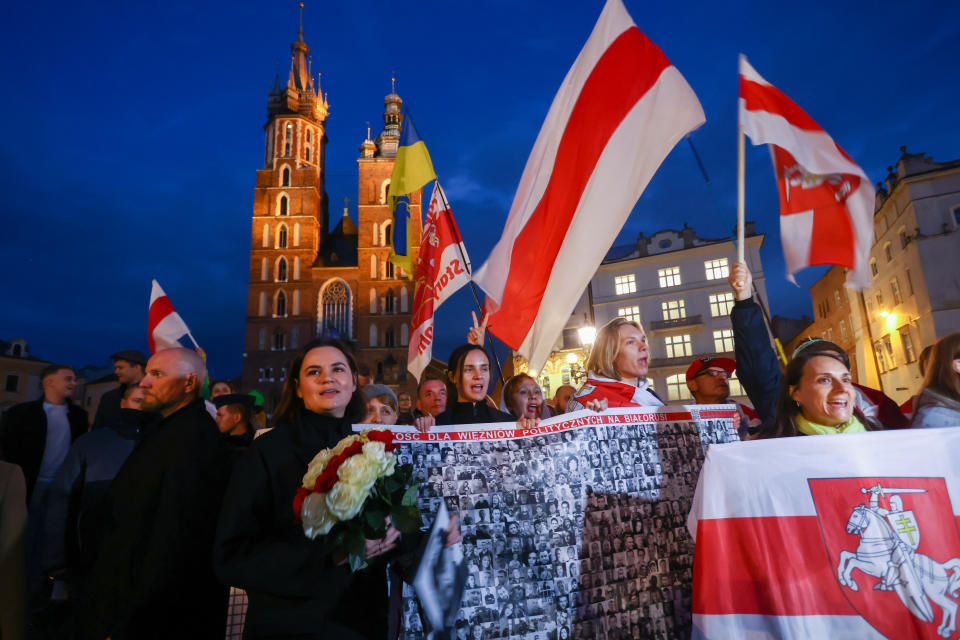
<point>348,492</point>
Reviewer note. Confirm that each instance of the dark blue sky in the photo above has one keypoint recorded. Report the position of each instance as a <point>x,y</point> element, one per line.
<point>132,133</point>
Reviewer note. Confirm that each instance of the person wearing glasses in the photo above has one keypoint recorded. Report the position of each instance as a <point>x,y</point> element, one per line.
<point>707,379</point>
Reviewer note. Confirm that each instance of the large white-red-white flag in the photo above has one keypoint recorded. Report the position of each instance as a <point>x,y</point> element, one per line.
<point>165,327</point>
<point>620,110</point>
<point>826,200</point>
<point>836,536</point>
<point>440,270</point>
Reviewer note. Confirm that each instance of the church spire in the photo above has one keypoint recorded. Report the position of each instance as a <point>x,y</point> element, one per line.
<point>301,94</point>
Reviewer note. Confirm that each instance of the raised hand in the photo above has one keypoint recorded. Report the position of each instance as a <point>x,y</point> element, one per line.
<point>741,281</point>
<point>477,331</point>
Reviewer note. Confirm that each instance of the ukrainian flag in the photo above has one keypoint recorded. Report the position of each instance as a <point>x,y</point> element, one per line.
<point>411,170</point>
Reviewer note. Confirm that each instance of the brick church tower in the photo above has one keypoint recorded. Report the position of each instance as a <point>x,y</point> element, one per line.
<point>306,280</point>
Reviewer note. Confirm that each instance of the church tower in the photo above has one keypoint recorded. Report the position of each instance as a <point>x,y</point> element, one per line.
<point>290,221</point>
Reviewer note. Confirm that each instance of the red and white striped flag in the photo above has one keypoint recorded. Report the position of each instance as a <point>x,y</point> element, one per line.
<point>620,110</point>
<point>826,200</point>
<point>165,327</point>
<point>440,271</point>
<point>838,536</point>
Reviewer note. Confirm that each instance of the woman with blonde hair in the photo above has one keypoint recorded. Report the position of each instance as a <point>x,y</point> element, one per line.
<point>939,402</point>
<point>617,370</point>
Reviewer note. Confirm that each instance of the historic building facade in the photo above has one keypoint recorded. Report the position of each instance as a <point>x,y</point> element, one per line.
<point>675,284</point>
<point>305,280</point>
<point>914,295</point>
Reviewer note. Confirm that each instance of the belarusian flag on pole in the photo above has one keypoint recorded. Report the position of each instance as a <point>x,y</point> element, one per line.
<point>826,199</point>
<point>442,268</point>
<point>165,327</point>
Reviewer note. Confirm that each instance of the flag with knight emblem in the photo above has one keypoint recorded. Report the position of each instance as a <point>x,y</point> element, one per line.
<point>826,199</point>
<point>840,536</point>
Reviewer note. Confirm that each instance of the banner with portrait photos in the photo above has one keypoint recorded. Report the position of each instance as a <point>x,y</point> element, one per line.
<point>574,529</point>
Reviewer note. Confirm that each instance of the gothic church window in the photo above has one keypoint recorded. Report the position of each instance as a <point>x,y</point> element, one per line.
<point>282,206</point>
<point>336,310</point>
<point>282,270</point>
<point>281,308</point>
<point>288,140</point>
<point>282,237</point>
<point>373,335</point>
<point>286,177</point>
<point>279,342</point>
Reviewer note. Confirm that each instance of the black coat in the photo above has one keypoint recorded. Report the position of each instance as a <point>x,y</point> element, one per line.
<point>472,413</point>
<point>23,436</point>
<point>108,410</point>
<point>154,575</point>
<point>292,586</point>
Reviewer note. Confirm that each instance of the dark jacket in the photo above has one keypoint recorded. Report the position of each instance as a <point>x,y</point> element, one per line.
<point>108,410</point>
<point>23,436</point>
<point>472,413</point>
<point>292,586</point>
<point>77,502</point>
<point>154,573</point>
<point>759,371</point>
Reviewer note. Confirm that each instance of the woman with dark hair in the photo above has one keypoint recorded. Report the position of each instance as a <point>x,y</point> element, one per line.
<point>939,402</point>
<point>759,371</point>
<point>523,397</point>
<point>294,588</point>
<point>471,377</point>
<point>816,398</point>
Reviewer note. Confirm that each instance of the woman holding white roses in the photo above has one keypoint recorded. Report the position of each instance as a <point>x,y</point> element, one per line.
<point>294,588</point>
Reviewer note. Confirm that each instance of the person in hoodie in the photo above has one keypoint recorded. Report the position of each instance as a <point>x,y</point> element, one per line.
<point>233,419</point>
<point>77,502</point>
<point>617,370</point>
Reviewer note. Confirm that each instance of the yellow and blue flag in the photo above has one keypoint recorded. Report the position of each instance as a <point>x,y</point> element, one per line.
<point>411,170</point>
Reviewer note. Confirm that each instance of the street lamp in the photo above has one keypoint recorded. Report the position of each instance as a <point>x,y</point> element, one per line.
<point>571,358</point>
<point>890,319</point>
<point>587,335</point>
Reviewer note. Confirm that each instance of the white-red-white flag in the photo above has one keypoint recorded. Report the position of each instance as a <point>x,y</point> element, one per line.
<point>835,536</point>
<point>165,327</point>
<point>826,200</point>
<point>441,270</point>
<point>620,110</point>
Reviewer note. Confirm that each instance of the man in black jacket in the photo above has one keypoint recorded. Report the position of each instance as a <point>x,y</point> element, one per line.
<point>153,576</point>
<point>37,435</point>
<point>129,366</point>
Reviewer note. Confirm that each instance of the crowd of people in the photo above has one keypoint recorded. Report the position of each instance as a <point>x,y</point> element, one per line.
<point>135,524</point>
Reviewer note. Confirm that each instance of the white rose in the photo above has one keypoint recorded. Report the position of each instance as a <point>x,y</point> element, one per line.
<point>359,470</point>
<point>316,517</point>
<point>386,461</point>
<point>345,500</point>
<point>343,444</point>
<point>315,468</point>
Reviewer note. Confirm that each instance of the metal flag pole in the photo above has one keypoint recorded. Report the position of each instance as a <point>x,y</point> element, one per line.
<point>466,265</point>
<point>741,171</point>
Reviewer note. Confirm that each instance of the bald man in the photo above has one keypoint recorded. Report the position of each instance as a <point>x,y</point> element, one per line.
<point>153,577</point>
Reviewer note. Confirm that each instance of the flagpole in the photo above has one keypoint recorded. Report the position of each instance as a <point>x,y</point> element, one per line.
<point>741,171</point>
<point>466,265</point>
<point>190,335</point>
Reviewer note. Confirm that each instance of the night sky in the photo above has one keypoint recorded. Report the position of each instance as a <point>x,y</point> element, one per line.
<point>132,133</point>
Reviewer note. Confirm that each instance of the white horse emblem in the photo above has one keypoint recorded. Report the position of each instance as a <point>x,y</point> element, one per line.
<point>888,542</point>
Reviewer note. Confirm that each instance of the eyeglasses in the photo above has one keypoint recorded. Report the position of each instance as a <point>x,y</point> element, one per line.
<point>715,373</point>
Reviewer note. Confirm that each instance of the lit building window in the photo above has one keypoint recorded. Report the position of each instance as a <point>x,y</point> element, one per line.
<point>888,348</point>
<point>881,357</point>
<point>895,289</point>
<point>630,313</point>
<point>625,284</point>
<point>678,346</point>
<point>673,309</point>
<point>909,352</point>
<point>716,269</point>
<point>723,340</point>
<point>677,388</point>
<point>669,277</point>
<point>736,389</point>
<point>721,304</point>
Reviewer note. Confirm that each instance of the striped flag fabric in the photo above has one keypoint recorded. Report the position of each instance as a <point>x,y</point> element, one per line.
<point>838,536</point>
<point>620,110</point>
<point>412,169</point>
<point>165,327</point>
<point>826,199</point>
<point>442,268</point>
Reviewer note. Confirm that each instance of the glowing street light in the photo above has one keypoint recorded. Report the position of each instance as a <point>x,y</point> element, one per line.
<point>571,358</point>
<point>890,319</point>
<point>587,335</point>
